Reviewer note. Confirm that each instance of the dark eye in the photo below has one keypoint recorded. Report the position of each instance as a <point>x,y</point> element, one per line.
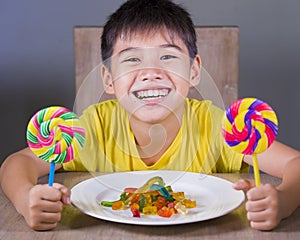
<point>133,59</point>
<point>167,57</point>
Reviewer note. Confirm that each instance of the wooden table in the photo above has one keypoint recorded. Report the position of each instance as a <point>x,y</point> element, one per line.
<point>76,225</point>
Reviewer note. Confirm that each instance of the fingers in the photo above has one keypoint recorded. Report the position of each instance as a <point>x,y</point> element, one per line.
<point>50,206</point>
<point>243,184</point>
<point>256,206</point>
<point>45,206</point>
<point>264,220</point>
<point>46,192</point>
<point>264,191</point>
<point>263,207</point>
<point>262,204</point>
<point>44,220</point>
<point>56,193</point>
<point>263,226</point>
<point>66,193</point>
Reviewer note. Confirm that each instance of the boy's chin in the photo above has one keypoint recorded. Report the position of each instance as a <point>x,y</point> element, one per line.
<point>154,115</point>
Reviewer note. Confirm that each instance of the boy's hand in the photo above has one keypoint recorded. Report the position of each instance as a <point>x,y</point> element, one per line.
<point>262,205</point>
<point>44,206</point>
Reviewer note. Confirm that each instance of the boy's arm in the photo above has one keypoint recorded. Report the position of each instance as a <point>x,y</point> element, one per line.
<point>37,203</point>
<point>283,162</point>
<point>20,171</point>
<point>275,159</point>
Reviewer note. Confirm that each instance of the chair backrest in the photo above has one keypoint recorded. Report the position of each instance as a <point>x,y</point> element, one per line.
<point>217,46</point>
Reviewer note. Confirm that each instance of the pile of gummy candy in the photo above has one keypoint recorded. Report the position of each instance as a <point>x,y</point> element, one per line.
<point>153,198</point>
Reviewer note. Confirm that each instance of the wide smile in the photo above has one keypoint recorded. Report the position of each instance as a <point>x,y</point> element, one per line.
<point>151,94</point>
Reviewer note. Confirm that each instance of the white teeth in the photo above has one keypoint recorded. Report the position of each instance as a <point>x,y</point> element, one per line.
<point>151,93</point>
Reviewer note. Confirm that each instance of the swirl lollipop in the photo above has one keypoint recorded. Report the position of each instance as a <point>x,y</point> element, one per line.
<point>250,127</point>
<point>55,135</point>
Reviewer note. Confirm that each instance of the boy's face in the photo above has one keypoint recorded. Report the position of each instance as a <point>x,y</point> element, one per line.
<point>151,75</point>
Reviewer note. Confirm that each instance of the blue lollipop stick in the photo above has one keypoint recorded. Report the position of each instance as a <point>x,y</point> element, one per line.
<point>51,174</point>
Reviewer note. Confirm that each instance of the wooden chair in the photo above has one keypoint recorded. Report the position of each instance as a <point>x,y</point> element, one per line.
<point>217,46</point>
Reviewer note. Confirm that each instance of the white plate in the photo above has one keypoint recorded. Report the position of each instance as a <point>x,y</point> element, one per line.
<point>215,197</point>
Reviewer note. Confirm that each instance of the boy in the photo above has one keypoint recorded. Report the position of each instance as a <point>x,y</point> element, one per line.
<point>150,62</point>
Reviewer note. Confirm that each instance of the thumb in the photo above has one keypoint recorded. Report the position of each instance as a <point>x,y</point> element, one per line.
<point>243,184</point>
<point>65,193</point>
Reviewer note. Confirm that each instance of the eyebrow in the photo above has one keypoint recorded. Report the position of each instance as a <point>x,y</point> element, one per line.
<point>167,45</point>
<point>170,45</point>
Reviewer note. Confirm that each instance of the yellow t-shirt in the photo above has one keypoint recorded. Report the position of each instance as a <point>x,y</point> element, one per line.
<point>198,147</point>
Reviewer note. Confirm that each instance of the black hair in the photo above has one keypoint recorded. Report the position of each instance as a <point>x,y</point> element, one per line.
<point>147,15</point>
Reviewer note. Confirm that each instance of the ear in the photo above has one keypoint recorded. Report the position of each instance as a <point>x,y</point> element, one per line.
<point>195,71</point>
<point>107,80</point>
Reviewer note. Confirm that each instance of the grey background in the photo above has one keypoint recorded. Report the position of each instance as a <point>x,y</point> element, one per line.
<point>37,57</point>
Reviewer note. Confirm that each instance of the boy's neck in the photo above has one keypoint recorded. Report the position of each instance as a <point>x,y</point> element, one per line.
<point>153,139</point>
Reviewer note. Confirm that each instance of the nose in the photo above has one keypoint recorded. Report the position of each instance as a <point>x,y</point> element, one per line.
<point>150,74</point>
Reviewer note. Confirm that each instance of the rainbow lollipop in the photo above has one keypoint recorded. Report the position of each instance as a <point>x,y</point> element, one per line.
<point>250,127</point>
<point>55,135</point>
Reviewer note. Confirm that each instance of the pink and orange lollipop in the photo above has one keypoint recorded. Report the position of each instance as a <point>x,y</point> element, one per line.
<point>250,127</point>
